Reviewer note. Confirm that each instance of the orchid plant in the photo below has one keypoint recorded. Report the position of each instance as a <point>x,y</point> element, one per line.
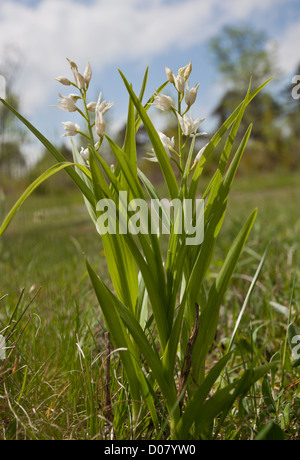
<point>163,311</point>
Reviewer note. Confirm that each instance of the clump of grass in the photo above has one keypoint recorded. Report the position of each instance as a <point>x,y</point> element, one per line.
<point>161,309</point>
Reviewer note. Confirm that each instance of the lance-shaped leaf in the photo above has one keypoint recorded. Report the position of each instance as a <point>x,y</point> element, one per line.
<point>56,154</point>
<point>217,138</point>
<point>44,176</point>
<point>210,315</point>
<point>114,311</point>
<point>156,143</point>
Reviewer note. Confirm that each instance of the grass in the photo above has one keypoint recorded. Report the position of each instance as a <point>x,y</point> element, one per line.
<point>54,385</point>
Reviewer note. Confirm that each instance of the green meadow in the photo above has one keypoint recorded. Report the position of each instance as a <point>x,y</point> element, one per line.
<point>54,380</point>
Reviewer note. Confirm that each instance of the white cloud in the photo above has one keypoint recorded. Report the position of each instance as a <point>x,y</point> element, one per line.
<point>288,48</point>
<point>107,32</point>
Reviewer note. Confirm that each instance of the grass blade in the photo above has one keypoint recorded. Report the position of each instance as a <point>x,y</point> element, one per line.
<point>44,176</point>
<point>250,290</point>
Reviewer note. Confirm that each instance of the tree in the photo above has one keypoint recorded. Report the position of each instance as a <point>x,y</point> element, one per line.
<point>241,55</point>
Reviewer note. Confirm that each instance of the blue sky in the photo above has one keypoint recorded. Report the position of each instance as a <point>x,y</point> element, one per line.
<point>131,34</point>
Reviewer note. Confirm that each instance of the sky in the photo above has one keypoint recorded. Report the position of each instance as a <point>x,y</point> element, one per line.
<point>130,35</point>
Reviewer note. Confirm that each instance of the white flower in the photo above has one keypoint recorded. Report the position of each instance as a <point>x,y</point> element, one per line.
<point>63,80</point>
<point>199,155</point>
<point>163,102</point>
<point>188,125</point>
<point>190,95</point>
<point>185,71</point>
<point>179,83</point>
<point>70,128</point>
<point>72,65</point>
<point>87,74</point>
<point>170,75</point>
<point>74,97</point>
<point>68,103</point>
<point>79,79</point>
<point>188,71</point>
<point>85,154</point>
<point>182,70</point>
<point>100,109</point>
<point>103,106</point>
<point>91,106</point>
<point>167,144</point>
<point>100,123</point>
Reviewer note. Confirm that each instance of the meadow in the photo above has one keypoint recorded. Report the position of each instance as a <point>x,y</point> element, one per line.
<point>139,335</point>
<point>54,384</point>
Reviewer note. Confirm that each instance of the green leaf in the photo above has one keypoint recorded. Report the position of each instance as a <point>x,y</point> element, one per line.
<point>138,119</point>
<point>130,142</point>
<point>121,339</point>
<point>270,432</point>
<point>52,170</point>
<point>57,155</point>
<point>217,138</point>
<point>195,404</point>
<point>113,309</point>
<point>250,290</point>
<point>153,273</point>
<point>130,174</point>
<point>156,143</point>
<point>222,401</point>
<point>213,225</point>
<point>215,183</point>
<point>210,314</point>
<point>267,394</point>
<point>144,84</point>
<point>87,178</point>
<point>122,267</point>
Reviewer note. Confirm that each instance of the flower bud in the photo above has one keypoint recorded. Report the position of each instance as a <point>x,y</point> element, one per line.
<point>179,83</point>
<point>199,154</point>
<point>72,65</point>
<point>87,74</point>
<point>79,80</point>
<point>100,123</point>
<point>91,106</point>
<point>190,95</point>
<point>63,80</point>
<point>182,70</point>
<point>188,70</point>
<point>170,75</point>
